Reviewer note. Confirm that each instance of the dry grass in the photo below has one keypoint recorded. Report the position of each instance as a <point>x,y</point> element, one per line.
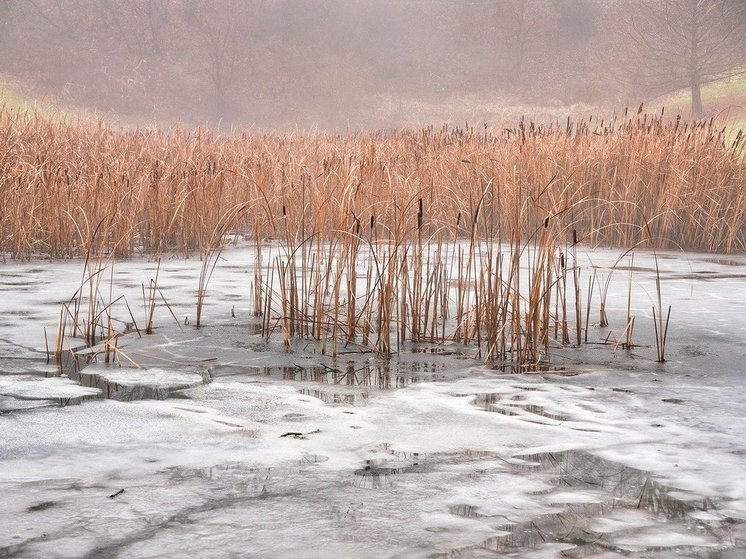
<point>386,238</point>
<point>160,191</point>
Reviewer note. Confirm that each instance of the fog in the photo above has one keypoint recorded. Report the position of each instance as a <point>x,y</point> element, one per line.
<point>339,64</point>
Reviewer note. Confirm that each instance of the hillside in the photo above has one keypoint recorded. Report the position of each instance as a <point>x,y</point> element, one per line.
<point>723,99</point>
<point>19,98</point>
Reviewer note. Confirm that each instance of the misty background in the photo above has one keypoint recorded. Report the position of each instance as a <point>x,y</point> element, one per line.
<point>364,63</point>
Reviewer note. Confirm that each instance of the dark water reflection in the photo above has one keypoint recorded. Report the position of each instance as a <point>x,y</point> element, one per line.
<point>384,374</point>
<point>612,487</point>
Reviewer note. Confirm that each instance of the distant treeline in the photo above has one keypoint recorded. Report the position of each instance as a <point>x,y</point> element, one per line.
<point>339,62</point>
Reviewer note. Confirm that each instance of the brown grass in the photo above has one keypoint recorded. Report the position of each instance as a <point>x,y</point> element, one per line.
<point>385,238</point>
<point>159,191</point>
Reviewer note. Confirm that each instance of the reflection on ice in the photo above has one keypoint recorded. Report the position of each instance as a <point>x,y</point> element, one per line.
<point>378,473</point>
<point>346,383</point>
<point>514,406</point>
<point>602,506</point>
<point>128,384</point>
<point>26,392</point>
<point>384,375</point>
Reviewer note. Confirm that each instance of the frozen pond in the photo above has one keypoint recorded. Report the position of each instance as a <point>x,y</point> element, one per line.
<point>215,442</point>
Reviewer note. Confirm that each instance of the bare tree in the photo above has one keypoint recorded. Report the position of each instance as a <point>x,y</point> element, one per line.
<point>222,35</point>
<point>520,20</point>
<point>138,26</point>
<point>685,43</point>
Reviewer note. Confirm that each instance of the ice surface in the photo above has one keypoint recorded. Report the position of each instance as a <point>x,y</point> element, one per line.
<point>129,376</point>
<point>42,388</point>
<point>229,445</point>
<point>662,536</point>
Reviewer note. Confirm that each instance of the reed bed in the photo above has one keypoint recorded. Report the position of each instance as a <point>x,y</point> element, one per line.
<point>380,239</point>
<point>162,191</point>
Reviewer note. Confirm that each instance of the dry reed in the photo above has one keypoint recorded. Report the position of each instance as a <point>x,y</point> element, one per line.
<point>380,239</point>
<point>158,191</point>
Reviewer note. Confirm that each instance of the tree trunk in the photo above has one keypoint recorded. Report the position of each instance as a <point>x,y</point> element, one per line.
<point>520,43</point>
<point>694,59</point>
<point>696,99</point>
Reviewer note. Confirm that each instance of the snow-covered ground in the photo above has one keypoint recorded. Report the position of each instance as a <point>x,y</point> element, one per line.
<point>214,443</point>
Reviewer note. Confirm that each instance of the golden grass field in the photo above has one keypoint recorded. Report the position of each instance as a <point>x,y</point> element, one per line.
<point>387,237</point>
<point>64,186</point>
